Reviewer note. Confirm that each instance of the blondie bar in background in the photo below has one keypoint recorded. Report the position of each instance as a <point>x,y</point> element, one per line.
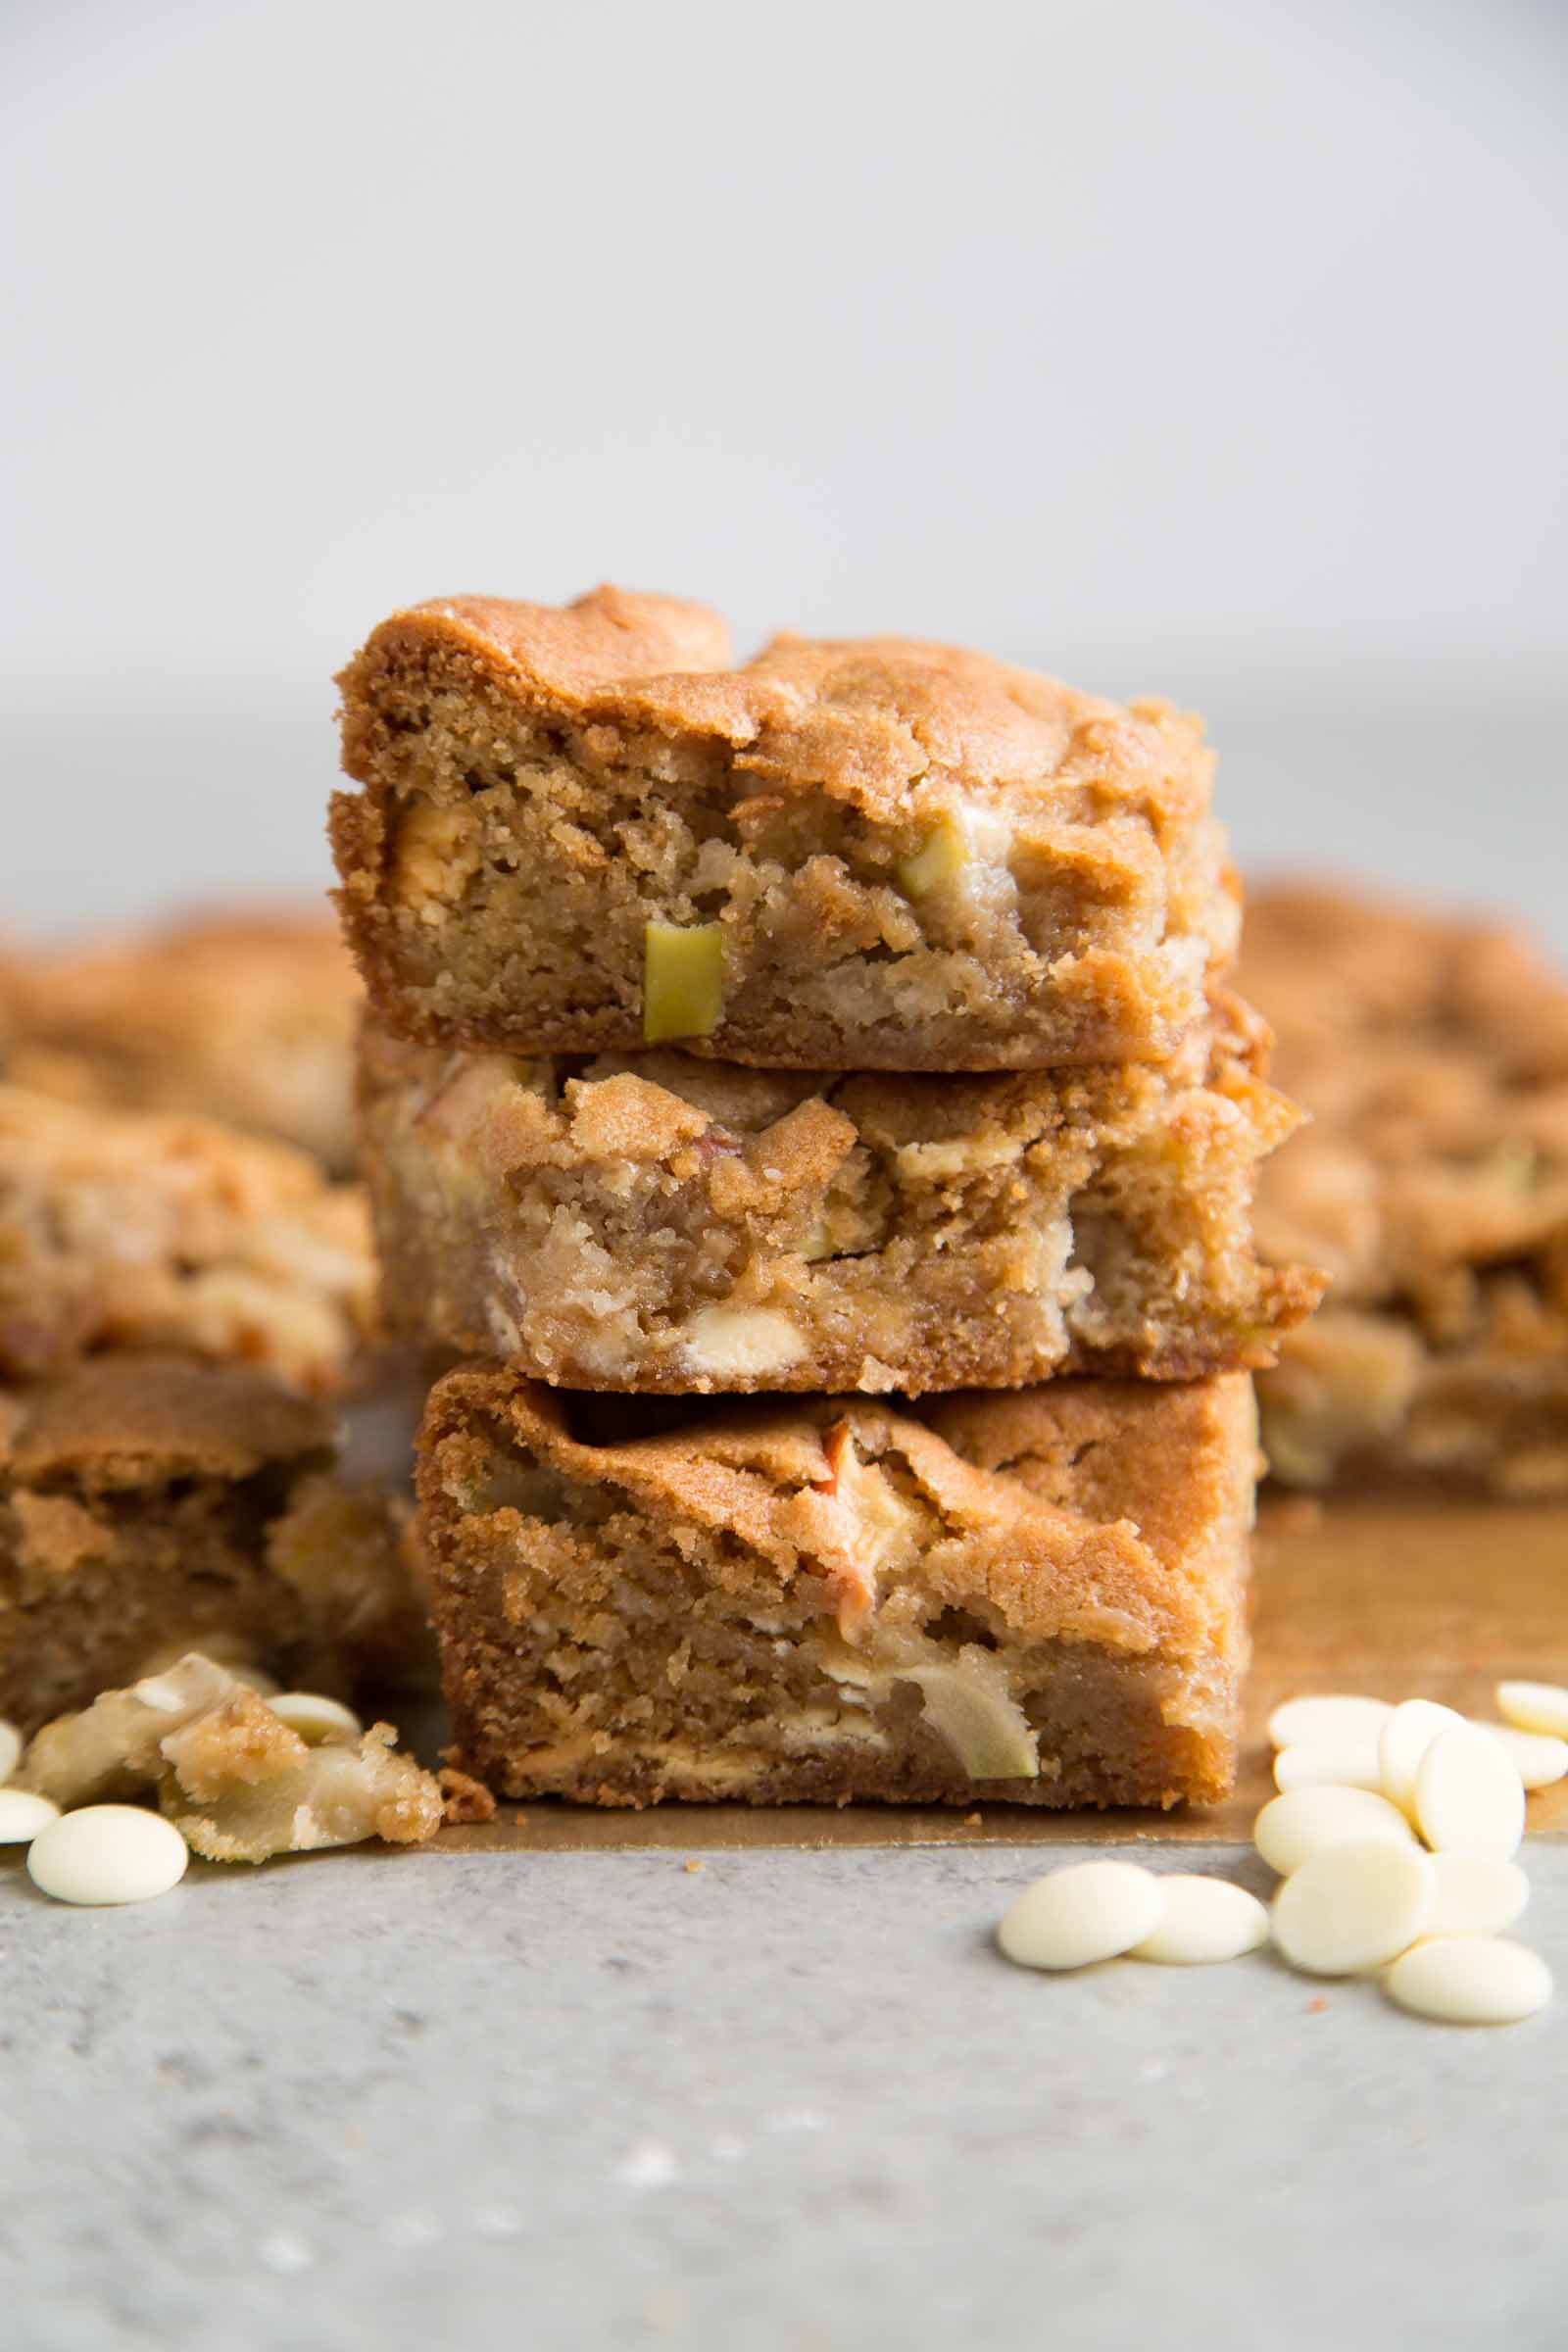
<point>1432,1183</point>
<point>247,1017</point>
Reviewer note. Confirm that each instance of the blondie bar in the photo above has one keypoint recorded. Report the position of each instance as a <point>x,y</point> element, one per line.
<point>1037,1596</point>
<point>247,1018</point>
<point>1432,1183</point>
<point>582,830</point>
<point>133,1229</point>
<point>661,1222</point>
<point>150,1504</point>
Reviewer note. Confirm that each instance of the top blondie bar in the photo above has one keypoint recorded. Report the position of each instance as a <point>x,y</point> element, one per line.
<point>582,830</point>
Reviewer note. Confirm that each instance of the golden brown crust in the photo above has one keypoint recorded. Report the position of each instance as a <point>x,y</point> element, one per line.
<point>674,1611</point>
<point>541,785</point>
<point>863,720</point>
<point>1432,1052</point>
<point>128,1420</point>
<point>667,1224</point>
<point>246,1017</point>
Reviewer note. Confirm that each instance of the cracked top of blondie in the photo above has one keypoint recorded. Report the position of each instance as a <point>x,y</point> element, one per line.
<point>127,1421</point>
<point>1112,1515</point>
<point>860,720</point>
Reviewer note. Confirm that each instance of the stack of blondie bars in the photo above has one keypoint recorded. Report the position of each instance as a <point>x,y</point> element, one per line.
<point>807,1095</point>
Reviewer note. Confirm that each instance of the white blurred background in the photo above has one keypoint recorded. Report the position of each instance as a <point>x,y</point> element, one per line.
<point>1211,349</point>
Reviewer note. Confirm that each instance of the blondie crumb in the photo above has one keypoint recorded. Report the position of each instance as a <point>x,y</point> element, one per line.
<point>237,1783</point>
<point>464,1800</point>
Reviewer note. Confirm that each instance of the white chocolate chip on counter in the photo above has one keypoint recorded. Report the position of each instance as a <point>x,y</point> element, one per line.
<point>1476,1896</point>
<point>10,1749</point>
<point>1292,1826</point>
<point>1469,1798</point>
<point>1205,1920</point>
<point>1353,1907</point>
<point>1540,1758</point>
<point>108,1855</point>
<point>1407,1736</point>
<point>1470,1980</point>
<point>1352,1764</point>
<point>1087,1911</point>
<point>315,1717</point>
<point>22,1815</point>
<point>1535,1707</point>
<point>1333,1720</point>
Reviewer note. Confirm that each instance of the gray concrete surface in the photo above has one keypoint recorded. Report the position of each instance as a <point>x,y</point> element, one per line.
<point>791,2101</point>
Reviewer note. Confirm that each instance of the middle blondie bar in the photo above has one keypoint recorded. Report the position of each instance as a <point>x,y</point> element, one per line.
<point>670,1224</point>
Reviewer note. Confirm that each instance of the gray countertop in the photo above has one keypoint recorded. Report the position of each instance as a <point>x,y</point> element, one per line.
<point>791,2100</point>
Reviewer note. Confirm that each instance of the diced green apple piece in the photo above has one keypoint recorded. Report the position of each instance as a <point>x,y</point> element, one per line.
<point>683,981</point>
<point>939,860</point>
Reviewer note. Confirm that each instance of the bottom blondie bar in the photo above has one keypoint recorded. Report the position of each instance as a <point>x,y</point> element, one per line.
<point>1036,1597</point>
<point>152,1504</point>
<point>1432,1183</point>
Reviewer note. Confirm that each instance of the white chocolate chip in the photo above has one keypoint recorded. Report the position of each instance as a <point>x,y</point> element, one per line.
<point>1335,1720</point>
<point>1407,1736</point>
<point>1540,1758</point>
<point>1354,1906</point>
<point>108,1855</point>
<point>1293,1825</point>
<point>1470,1980</point>
<point>968,1705</point>
<point>22,1815</point>
<point>744,1342</point>
<point>1535,1706</point>
<point>1089,1911</point>
<point>1205,1919</point>
<point>1350,1765</point>
<point>10,1749</point>
<point>1476,1896</point>
<point>314,1717</point>
<point>1469,1798</point>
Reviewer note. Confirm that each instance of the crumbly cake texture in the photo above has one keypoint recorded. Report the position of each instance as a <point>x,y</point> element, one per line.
<point>246,1018</point>
<point>150,1504</point>
<point>1035,1597</point>
<point>580,830</point>
<point>238,1783</point>
<point>657,1222</point>
<point>133,1229</point>
<point>1432,1183</point>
